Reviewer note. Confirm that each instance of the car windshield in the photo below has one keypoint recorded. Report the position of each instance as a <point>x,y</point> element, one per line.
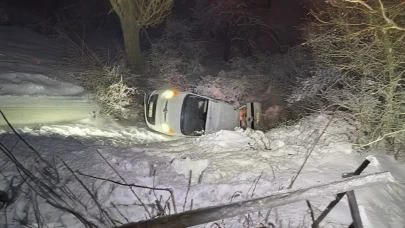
<point>193,115</point>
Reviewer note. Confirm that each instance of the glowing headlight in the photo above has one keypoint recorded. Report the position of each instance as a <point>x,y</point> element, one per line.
<point>167,129</point>
<point>170,93</point>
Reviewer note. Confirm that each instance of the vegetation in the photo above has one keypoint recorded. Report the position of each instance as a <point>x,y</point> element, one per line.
<point>363,43</point>
<point>234,23</point>
<point>135,15</point>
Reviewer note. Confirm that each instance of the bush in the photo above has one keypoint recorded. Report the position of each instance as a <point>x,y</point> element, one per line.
<point>366,45</point>
<point>231,87</point>
<point>312,88</point>
<point>115,97</point>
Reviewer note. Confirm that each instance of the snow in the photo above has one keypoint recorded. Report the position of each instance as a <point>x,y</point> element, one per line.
<point>102,129</point>
<point>28,63</point>
<point>188,167</point>
<point>18,83</point>
<point>226,166</point>
<point>29,92</point>
<point>24,52</point>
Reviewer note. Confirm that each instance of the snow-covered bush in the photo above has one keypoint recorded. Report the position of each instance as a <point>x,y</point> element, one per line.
<point>312,87</point>
<point>229,87</point>
<point>115,98</point>
<point>106,77</point>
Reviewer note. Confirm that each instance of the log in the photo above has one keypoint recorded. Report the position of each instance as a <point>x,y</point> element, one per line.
<point>280,198</point>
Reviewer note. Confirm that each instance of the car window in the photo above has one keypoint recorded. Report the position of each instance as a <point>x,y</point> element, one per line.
<point>151,109</point>
<point>193,115</point>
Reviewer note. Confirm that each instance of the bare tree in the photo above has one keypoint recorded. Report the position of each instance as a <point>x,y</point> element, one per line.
<point>365,41</point>
<point>135,15</point>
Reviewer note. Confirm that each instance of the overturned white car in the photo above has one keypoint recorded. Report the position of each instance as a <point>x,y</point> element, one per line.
<point>186,114</point>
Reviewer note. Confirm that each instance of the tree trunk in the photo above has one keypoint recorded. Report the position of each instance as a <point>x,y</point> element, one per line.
<point>130,31</point>
<point>227,45</point>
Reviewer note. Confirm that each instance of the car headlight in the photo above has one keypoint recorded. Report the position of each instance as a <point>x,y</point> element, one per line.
<point>168,94</point>
<point>166,128</point>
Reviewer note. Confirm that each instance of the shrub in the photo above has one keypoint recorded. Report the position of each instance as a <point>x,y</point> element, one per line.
<point>312,88</point>
<point>115,97</point>
<point>231,87</point>
<point>365,43</point>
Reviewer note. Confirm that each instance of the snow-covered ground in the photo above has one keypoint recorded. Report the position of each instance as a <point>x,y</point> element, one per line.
<point>226,166</point>
<point>29,94</point>
<point>205,171</point>
<point>103,130</point>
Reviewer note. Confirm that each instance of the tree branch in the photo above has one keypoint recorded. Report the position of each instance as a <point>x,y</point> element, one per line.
<point>389,20</point>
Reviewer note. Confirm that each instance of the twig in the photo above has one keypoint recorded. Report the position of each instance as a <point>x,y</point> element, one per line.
<point>389,20</point>
<point>311,210</point>
<point>24,141</point>
<point>37,212</point>
<point>382,137</point>
<point>311,149</point>
<point>134,185</point>
<point>362,3</point>
<point>5,216</point>
<point>147,36</point>
<point>103,212</point>
<point>188,189</point>
<point>234,195</point>
<point>87,50</point>
<point>119,212</point>
<point>80,217</point>
<point>191,204</point>
<point>257,181</point>
<point>21,169</point>
<point>41,188</point>
<point>160,209</point>
<point>122,178</point>
<point>266,218</point>
<point>153,183</point>
<point>44,190</point>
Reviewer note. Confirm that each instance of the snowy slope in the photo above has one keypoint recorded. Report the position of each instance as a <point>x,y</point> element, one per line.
<point>28,93</point>
<point>221,167</point>
<point>36,99</point>
<point>226,166</point>
<point>18,83</point>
